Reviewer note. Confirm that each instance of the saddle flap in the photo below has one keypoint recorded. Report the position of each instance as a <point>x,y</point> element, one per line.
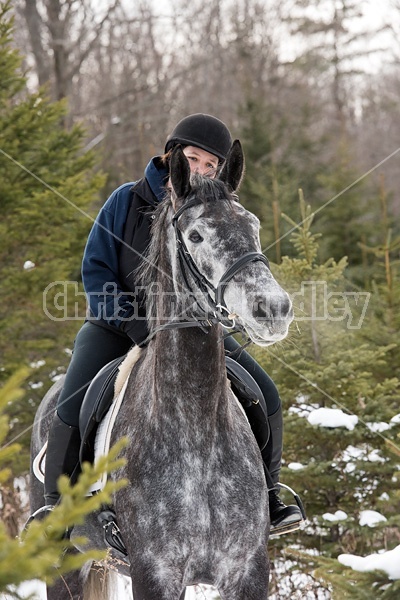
<point>251,398</point>
<point>97,401</point>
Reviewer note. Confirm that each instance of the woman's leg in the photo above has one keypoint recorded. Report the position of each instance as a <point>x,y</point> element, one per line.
<point>94,347</point>
<point>265,383</point>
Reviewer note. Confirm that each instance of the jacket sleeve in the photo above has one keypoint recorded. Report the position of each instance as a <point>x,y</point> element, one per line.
<point>100,269</point>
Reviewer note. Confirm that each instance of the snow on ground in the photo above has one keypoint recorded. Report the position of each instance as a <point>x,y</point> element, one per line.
<point>339,515</point>
<point>295,466</point>
<point>368,518</point>
<point>36,590</point>
<point>324,417</point>
<point>332,417</point>
<point>385,561</point>
<point>363,452</point>
<point>371,518</point>
<point>395,420</point>
<point>378,427</point>
<point>335,417</point>
<point>29,265</point>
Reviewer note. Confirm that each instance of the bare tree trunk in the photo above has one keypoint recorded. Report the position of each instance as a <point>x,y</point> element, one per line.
<point>35,29</point>
<point>11,509</point>
<point>72,34</point>
<point>56,26</point>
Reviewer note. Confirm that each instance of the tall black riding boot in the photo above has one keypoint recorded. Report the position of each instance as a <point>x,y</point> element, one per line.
<point>284,519</point>
<point>62,456</point>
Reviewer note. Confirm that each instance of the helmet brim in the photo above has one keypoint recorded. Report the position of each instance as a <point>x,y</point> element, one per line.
<point>175,141</point>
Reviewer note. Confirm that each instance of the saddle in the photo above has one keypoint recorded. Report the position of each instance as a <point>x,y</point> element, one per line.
<point>100,395</point>
<point>250,396</point>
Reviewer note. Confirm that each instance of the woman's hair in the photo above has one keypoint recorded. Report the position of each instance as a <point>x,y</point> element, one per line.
<point>166,157</point>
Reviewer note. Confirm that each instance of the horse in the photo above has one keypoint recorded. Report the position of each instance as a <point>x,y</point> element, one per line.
<point>196,507</point>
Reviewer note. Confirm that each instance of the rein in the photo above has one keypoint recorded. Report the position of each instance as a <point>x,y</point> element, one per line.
<point>219,311</point>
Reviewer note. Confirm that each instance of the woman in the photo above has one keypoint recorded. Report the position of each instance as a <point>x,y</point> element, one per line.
<point>117,320</point>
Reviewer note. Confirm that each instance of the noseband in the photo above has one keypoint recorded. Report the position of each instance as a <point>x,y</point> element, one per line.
<point>217,305</point>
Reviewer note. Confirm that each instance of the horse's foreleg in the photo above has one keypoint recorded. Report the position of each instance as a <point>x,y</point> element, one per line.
<point>253,584</point>
<point>67,586</point>
<point>149,588</point>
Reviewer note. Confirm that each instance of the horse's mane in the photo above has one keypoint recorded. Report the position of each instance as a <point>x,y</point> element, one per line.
<point>206,191</point>
<point>148,272</point>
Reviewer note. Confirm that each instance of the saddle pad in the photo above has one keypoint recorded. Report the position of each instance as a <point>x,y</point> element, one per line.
<point>39,464</point>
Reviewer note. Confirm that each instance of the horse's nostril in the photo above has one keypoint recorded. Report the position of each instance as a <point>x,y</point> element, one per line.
<point>260,310</point>
<point>271,308</point>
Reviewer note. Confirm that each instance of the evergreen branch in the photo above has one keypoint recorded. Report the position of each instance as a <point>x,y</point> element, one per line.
<point>42,553</point>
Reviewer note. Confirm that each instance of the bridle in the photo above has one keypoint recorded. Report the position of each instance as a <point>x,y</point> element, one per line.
<point>217,305</point>
<point>218,311</point>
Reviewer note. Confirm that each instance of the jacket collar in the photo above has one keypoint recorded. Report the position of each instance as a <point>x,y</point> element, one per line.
<point>156,175</point>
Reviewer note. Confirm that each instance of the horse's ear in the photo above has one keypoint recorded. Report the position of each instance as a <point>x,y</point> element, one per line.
<point>233,168</point>
<point>179,169</point>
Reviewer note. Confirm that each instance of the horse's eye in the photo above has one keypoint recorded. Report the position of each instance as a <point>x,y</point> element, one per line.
<point>195,237</point>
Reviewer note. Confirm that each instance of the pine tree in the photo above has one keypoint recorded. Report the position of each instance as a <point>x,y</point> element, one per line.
<point>384,285</point>
<point>48,185</point>
<point>326,363</point>
<point>330,40</point>
<point>280,157</point>
<point>349,209</point>
<point>41,553</point>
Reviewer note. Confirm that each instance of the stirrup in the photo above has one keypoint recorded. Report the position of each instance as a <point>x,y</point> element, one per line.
<point>289,526</point>
<point>285,528</point>
<point>272,486</point>
<point>39,514</point>
<point>297,499</point>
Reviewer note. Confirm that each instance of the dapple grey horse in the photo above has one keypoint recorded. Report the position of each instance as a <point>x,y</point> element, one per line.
<point>196,507</point>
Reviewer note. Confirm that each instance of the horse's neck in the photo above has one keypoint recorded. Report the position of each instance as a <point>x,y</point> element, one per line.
<point>190,367</point>
<point>188,363</point>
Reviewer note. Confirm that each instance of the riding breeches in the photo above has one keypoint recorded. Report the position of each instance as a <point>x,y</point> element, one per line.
<point>94,347</point>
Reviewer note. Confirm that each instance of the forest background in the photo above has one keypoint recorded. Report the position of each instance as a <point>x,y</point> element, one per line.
<point>89,92</point>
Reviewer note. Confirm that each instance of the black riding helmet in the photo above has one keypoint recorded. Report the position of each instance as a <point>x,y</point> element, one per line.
<point>203,131</point>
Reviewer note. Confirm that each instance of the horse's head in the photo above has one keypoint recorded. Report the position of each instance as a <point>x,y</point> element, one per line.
<point>221,253</point>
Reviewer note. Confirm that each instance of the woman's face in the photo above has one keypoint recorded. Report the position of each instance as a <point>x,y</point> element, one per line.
<point>201,162</point>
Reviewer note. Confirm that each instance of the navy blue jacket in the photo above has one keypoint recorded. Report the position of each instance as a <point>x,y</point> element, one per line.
<point>113,252</point>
